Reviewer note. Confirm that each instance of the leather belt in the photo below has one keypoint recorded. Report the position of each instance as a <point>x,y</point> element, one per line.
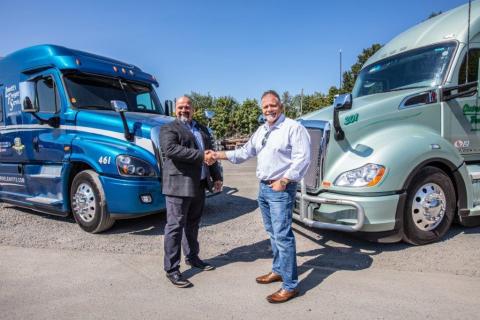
<point>267,181</point>
<point>272,181</point>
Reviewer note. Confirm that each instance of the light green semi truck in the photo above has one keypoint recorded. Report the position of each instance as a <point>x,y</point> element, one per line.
<point>399,157</point>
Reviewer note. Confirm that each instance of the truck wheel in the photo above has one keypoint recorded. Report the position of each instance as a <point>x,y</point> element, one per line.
<point>430,207</point>
<point>87,200</point>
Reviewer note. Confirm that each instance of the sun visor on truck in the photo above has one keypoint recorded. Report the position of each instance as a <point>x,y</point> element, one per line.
<point>96,65</point>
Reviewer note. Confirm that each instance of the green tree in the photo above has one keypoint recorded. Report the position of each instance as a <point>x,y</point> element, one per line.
<point>289,106</point>
<point>223,122</point>
<point>350,76</point>
<point>201,103</point>
<point>245,117</point>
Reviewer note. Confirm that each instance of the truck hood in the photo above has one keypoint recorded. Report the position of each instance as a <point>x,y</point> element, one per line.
<point>138,123</point>
<point>375,102</point>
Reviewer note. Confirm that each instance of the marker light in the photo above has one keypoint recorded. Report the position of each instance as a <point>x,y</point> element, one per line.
<point>146,198</point>
<point>115,68</point>
<point>77,61</point>
<point>124,71</point>
<point>367,176</point>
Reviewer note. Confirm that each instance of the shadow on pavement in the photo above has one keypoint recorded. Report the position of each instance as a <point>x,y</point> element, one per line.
<point>47,216</point>
<point>218,209</point>
<point>354,254</point>
<point>323,262</point>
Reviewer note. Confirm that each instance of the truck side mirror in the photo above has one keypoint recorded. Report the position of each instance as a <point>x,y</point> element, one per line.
<point>28,96</point>
<point>119,106</point>
<point>343,101</point>
<point>168,107</point>
<point>209,114</point>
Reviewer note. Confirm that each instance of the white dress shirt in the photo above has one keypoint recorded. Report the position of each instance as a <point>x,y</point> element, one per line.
<point>283,150</point>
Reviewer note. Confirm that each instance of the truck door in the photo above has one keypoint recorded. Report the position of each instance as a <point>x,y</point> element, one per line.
<point>461,116</point>
<point>12,149</point>
<point>47,143</point>
<point>46,148</point>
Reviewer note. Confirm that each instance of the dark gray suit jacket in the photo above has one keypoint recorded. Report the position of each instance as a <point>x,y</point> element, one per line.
<point>182,167</point>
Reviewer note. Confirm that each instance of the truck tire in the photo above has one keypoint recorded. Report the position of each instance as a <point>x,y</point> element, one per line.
<point>430,207</point>
<point>88,204</point>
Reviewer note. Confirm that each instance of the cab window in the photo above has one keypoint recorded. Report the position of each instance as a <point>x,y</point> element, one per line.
<point>47,95</point>
<point>473,56</point>
<point>144,102</point>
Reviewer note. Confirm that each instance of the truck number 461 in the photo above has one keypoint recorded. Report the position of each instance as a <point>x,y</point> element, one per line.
<point>104,160</point>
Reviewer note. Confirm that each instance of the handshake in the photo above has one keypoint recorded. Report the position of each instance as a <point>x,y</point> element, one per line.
<point>210,157</point>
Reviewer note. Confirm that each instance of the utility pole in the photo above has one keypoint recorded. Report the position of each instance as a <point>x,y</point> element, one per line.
<point>301,102</point>
<point>340,54</point>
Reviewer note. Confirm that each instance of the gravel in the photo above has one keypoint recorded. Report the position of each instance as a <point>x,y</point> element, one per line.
<point>232,228</point>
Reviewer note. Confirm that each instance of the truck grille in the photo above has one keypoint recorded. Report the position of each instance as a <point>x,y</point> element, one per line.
<point>318,143</point>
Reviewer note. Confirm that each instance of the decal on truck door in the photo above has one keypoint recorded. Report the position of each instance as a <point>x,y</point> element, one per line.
<point>18,146</point>
<point>12,94</point>
<point>472,114</point>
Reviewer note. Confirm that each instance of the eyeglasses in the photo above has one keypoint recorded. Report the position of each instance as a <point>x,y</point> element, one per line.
<point>265,138</point>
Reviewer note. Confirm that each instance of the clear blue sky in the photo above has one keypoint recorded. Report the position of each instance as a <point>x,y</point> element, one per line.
<point>237,48</point>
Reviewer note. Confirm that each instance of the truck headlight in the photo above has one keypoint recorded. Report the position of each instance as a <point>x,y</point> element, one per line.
<point>131,166</point>
<point>366,176</point>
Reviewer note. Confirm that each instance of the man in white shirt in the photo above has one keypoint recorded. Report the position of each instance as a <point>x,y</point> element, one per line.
<point>282,146</point>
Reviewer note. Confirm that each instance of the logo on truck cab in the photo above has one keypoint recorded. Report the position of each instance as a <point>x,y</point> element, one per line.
<point>472,113</point>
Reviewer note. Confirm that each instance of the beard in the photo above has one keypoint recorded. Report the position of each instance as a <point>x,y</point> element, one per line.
<point>272,117</point>
<point>184,119</point>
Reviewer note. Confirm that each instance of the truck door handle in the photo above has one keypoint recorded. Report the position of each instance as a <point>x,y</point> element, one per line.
<point>36,147</point>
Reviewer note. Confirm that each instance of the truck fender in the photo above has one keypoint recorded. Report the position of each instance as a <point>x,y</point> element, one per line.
<point>402,150</point>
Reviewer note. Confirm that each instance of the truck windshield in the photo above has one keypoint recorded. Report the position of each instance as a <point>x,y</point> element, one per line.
<point>418,68</point>
<point>96,92</point>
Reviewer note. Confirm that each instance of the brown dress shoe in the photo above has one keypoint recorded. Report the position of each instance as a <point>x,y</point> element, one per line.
<point>282,295</point>
<point>268,278</point>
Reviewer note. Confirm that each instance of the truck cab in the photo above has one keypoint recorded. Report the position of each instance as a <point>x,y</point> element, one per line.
<point>399,157</point>
<point>79,133</point>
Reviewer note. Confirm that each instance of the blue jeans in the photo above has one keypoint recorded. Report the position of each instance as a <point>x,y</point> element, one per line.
<point>276,208</point>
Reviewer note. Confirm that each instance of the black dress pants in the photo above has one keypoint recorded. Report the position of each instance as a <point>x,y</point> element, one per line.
<point>181,230</point>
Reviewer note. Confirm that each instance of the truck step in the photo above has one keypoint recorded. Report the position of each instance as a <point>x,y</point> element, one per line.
<point>42,200</point>
<point>44,176</point>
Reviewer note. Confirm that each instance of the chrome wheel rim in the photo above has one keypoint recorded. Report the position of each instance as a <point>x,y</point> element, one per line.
<point>428,207</point>
<point>84,202</point>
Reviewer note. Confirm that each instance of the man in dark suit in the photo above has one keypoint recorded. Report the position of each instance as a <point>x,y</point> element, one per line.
<point>188,166</point>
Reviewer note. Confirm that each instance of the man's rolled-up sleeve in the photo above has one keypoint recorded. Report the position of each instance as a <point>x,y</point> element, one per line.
<point>300,142</point>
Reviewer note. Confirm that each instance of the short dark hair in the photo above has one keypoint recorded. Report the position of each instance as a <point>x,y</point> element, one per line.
<point>273,93</point>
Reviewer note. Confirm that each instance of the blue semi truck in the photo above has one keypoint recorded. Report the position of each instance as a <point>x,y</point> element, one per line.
<point>79,133</point>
